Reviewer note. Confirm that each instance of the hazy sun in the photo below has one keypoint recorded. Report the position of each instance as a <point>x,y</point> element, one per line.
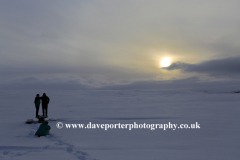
<point>166,62</point>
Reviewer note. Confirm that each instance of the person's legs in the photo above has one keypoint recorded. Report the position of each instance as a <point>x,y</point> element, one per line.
<point>46,108</point>
<point>37,109</point>
<point>43,110</point>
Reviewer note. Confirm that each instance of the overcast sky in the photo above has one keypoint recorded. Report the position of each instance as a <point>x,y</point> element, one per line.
<point>82,44</point>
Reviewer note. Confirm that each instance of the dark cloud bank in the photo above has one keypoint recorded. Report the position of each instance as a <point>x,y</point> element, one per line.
<point>217,68</point>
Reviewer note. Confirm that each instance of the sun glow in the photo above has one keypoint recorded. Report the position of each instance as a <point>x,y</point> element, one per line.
<point>165,62</point>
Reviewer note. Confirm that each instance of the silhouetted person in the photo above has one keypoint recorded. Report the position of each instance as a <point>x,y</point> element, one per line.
<point>37,104</point>
<point>43,129</point>
<point>45,100</point>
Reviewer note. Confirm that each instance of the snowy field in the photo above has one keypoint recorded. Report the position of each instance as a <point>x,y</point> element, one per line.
<point>218,114</point>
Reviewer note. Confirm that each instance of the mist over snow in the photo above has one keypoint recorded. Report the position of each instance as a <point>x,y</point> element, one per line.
<point>98,83</point>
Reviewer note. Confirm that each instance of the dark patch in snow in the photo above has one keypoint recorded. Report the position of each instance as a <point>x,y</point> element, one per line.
<point>17,148</point>
<point>5,152</point>
<point>69,148</point>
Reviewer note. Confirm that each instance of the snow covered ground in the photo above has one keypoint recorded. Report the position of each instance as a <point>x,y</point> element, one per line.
<point>218,114</point>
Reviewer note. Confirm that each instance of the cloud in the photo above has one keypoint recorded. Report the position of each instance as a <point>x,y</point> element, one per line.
<point>218,67</point>
<point>113,39</point>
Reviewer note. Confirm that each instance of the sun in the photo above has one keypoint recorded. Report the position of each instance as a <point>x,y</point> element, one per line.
<point>165,62</point>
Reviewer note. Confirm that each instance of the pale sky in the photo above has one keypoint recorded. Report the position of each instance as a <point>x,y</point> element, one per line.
<point>98,43</point>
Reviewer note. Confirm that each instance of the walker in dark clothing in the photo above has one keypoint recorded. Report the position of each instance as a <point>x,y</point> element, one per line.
<point>37,104</point>
<point>45,100</point>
